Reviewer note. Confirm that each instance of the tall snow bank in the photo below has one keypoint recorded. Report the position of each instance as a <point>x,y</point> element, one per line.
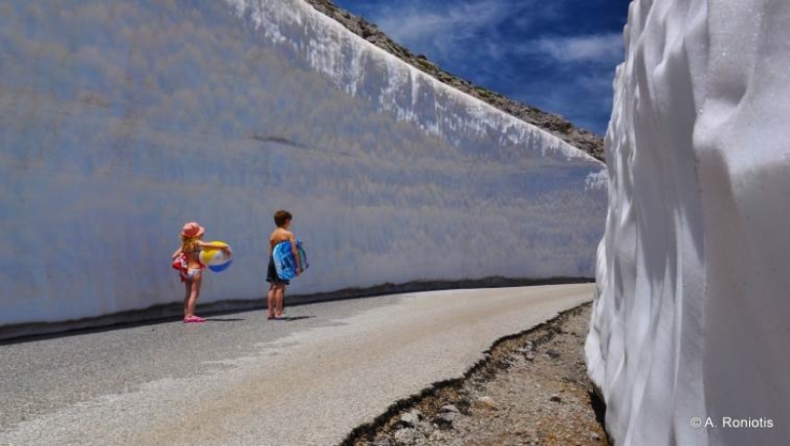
<point>691,316</point>
<point>121,121</point>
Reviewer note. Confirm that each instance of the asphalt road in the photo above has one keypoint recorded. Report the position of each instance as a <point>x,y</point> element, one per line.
<point>242,380</point>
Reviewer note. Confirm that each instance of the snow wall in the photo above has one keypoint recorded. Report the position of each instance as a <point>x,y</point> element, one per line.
<point>121,121</point>
<point>692,309</point>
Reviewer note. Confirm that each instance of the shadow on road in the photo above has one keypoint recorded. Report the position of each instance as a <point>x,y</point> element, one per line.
<point>172,312</point>
<point>294,318</point>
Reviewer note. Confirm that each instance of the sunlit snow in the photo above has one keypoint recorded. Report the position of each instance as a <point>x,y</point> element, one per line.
<point>691,318</point>
<point>121,121</point>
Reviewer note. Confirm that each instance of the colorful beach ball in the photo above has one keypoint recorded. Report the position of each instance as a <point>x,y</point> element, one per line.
<point>215,259</point>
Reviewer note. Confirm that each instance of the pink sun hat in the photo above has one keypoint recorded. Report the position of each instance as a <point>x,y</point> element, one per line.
<point>192,229</point>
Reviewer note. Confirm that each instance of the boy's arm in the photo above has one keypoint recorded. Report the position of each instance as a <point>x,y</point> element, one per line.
<point>177,253</point>
<point>292,239</point>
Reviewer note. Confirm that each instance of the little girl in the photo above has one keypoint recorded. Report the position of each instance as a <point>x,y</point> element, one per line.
<point>191,244</point>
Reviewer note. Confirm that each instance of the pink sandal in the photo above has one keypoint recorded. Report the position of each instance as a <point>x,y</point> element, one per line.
<point>193,320</point>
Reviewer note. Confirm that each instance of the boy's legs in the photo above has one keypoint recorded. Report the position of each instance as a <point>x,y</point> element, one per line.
<point>270,302</point>
<point>278,297</point>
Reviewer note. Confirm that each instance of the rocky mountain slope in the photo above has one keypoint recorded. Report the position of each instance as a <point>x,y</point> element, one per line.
<point>554,124</point>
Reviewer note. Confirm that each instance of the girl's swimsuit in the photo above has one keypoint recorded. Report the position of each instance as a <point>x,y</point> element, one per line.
<point>190,273</point>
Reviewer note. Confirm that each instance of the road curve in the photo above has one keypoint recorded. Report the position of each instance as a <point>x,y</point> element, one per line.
<point>256,382</point>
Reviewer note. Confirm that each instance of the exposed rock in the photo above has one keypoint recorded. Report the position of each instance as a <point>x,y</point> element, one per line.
<point>406,437</point>
<point>437,436</point>
<point>488,402</point>
<point>446,419</point>
<point>411,418</point>
<point>425,427</point>
<point>449,408</point>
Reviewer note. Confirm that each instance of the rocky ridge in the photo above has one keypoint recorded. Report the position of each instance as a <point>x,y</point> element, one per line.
<point>581,138</point>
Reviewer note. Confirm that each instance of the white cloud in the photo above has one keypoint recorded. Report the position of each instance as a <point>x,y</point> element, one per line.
<point>446,29</point>
<point>596,82</point>
<point>413,23</point>
<point>458,30</point>
<point>497,43</point>
<point>604,48</point>
<point>584,99</point>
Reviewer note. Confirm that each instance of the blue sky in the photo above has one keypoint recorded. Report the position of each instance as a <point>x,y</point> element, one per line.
<point>557,55</point>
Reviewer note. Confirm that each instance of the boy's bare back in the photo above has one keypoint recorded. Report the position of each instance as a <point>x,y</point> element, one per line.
<point>279,235</point>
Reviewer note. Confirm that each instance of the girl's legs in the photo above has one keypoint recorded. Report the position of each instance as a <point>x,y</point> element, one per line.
<point>193,291</point>
<point>187,292</point>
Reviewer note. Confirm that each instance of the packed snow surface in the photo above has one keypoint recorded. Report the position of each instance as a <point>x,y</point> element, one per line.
<point>690,324</point>
<point>121,121</point>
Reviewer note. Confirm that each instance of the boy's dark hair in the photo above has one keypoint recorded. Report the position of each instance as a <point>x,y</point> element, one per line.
<point>282,216</point>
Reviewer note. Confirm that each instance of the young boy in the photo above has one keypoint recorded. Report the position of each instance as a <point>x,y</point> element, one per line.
<point>282,219</point>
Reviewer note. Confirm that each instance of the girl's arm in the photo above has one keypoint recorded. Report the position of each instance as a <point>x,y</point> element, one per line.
<point>224,248</point>
<point>177,253</point>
